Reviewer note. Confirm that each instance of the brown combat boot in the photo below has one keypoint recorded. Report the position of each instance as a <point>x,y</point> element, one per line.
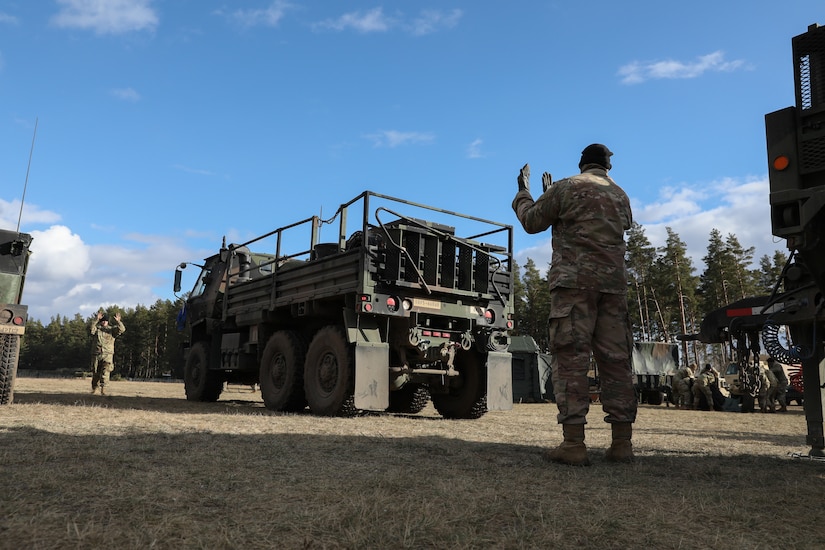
<point>572,450</point>
<point>101,391</point>
<point>621,449</point>
<point>783,408</point>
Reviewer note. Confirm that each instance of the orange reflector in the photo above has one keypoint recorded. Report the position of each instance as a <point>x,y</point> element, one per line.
<point>781,162</point>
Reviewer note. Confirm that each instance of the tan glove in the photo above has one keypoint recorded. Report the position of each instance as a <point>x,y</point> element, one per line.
<point>524,178</point>
<point>546,181</point>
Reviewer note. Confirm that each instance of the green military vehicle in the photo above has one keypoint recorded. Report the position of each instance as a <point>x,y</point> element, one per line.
<point>394,310</point>
<point>14,260</point>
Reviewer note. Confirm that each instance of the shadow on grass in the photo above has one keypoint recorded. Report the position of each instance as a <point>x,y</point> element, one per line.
<point>302,490</point>
<point>173,405</point>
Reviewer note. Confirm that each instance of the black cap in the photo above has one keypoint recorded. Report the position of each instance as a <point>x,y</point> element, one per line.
<point>596,153</point>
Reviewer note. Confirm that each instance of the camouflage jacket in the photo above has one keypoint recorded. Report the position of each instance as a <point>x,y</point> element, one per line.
<point>707,378</point>
<point>779,373</point>
<point>589,214</point>
<point>768,377</point>
<point>683,374</point>
<point>104,337</point>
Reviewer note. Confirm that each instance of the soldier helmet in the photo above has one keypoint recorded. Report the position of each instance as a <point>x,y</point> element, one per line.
<point>105,317</point>
<point>596,153</point>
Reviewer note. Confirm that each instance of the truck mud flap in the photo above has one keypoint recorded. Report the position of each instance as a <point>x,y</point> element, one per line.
<point>499,381</point>
<point>372,376</point>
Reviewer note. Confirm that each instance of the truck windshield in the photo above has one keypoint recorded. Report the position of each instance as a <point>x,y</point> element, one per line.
<point>202,282</point>
<point>10,288</point>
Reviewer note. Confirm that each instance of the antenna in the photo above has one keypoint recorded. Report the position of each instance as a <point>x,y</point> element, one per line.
<point>26,184</point>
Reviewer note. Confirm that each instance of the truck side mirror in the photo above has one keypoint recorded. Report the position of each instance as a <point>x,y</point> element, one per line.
<point>178,275</point>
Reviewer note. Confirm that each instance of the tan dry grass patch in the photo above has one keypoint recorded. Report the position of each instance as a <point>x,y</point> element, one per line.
<point>143,468</point>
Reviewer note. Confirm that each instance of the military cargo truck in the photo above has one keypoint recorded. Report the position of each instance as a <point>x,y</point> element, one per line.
<point>395,309</point>
<point>14,261</point>
<point>654,364</point>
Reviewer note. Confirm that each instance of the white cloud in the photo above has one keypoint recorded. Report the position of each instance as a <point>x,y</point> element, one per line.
<point>106,16</point>
<point>8,19</point>
<point>431,21</point>
<point>474,149</point>
<point>265,17</point>
<point>60,255</point>
<point>637,72</point>
<point>394,138</point>
<point>197,171</point>
<point>32,214</point>
<point>68,276</point>
<point>126,94</point>
<point>375,20</point>
<point>738,207</point>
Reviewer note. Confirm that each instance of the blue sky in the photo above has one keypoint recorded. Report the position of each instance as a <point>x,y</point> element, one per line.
<point>163,125</point>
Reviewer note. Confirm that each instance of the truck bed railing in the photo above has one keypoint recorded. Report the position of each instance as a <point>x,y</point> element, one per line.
<point>406,251</point>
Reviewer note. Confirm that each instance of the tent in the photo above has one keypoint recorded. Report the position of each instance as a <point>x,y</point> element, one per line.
<point>531,371</point>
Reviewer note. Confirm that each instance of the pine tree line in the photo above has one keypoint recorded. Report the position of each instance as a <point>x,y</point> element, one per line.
<point>665,296</point>
<point>150,347</point>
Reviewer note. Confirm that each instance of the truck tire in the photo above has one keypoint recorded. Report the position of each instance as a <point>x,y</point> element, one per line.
<point>469,400</point>
<point>328,374</point>
<point>10,344</point>
<point>282,372</point>
<point>654,397</point>
<point>410,399</point>
<point>748,403</point>
<point>201,383</point>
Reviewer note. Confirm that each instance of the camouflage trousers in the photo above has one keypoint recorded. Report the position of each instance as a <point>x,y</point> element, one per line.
<point>102,365</point>
<point>682,394</point>
<point>582,323</point>
<point>780,394</point>
<point>701,389</point>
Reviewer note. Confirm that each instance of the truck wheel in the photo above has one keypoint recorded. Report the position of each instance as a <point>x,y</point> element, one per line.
<point>410,399</point>
<point>282,372</point>
<point>328,374</point>
<point>200,383</point>
<point>654,397</point>
<point>469,399</point>
<point>9,352</point>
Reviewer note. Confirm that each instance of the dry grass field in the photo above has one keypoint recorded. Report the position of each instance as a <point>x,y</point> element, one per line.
<point>143,468</point>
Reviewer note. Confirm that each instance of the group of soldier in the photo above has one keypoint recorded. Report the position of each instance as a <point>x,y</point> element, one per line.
<point>689,388</point>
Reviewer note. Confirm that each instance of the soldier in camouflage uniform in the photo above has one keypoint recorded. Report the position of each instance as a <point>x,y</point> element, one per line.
<point>781,392</point>
<point>589,214</point>
<point>103,350</point>
<point>767,389</point>
<point>701,386</point>
<point>682,386</point>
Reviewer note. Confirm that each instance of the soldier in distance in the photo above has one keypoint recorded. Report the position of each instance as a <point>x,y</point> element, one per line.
<point>103,348</point>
